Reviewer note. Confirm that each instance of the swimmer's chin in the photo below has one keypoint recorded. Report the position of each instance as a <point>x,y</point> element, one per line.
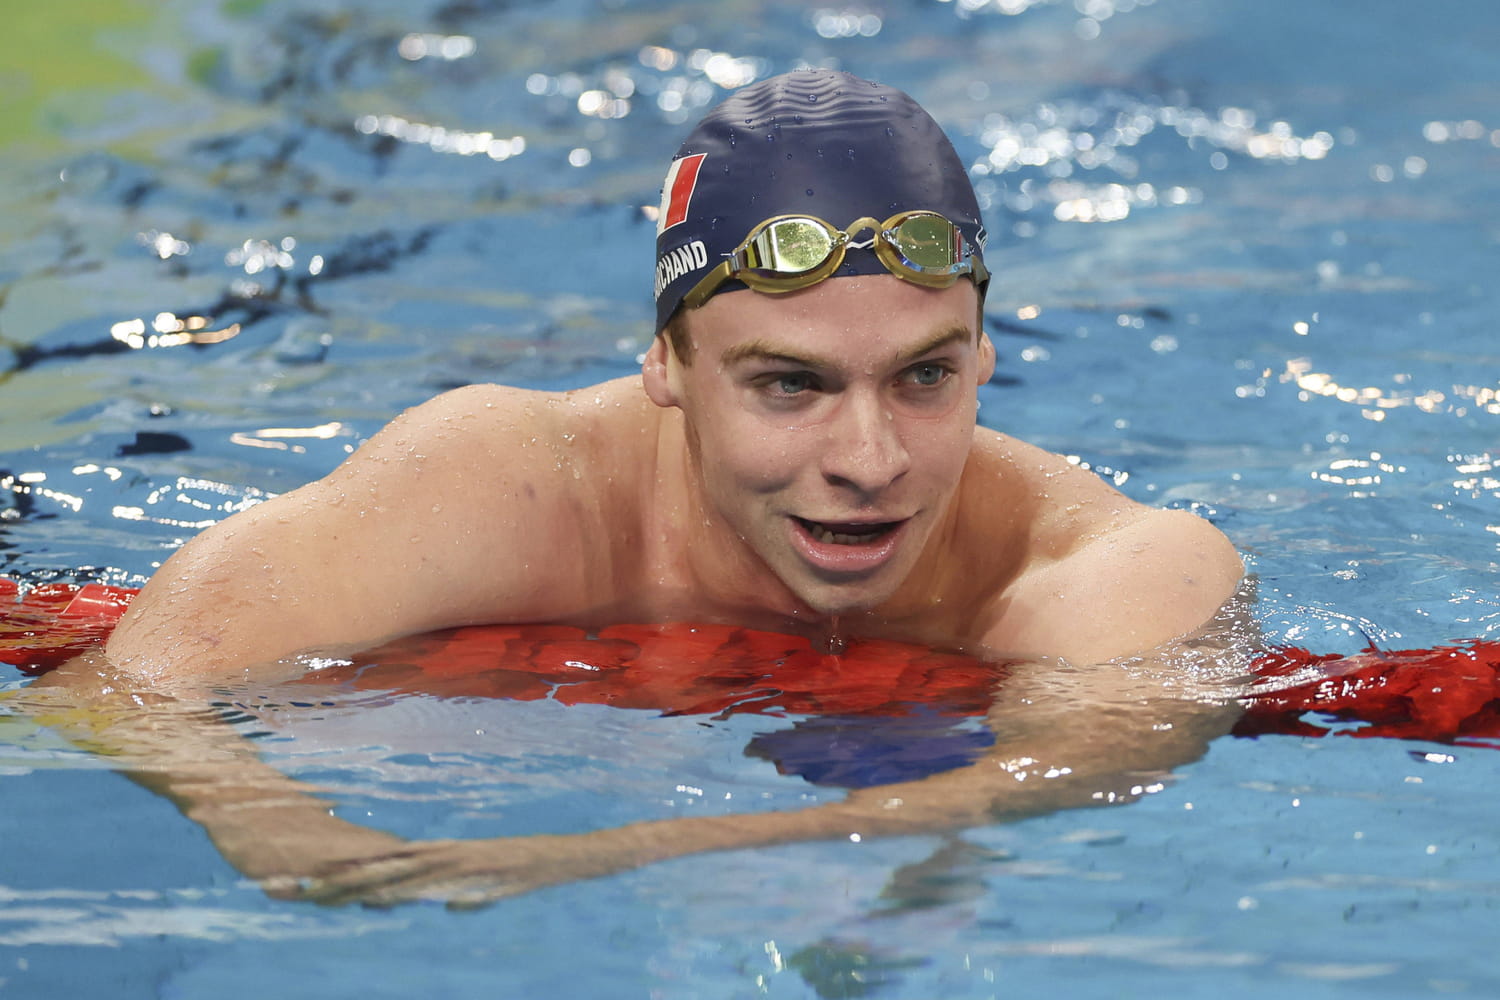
<point>835,608</point>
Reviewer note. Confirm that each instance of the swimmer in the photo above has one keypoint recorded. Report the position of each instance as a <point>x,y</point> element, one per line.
<point>799,454</point>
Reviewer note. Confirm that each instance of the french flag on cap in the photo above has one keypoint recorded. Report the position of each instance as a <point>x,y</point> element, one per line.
<point>677,191</point>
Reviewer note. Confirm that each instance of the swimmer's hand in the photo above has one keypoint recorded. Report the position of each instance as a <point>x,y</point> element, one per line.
<point>472,873</point>
<point>464,874</point>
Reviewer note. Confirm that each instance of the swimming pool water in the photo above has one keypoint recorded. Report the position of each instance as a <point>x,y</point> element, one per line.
<point>1279,317</point>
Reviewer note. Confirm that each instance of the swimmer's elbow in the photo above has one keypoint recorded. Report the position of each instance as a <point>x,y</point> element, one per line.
<point>1200,573</point>
<point>208,611</point>
<point>1210,561</point>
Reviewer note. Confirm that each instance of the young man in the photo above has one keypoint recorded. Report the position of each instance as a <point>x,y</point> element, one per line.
<point>799,453</point>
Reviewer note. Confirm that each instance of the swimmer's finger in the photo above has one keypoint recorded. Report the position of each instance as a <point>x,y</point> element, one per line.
<point>453,872</point>
<point>410,874</point>
<point>477,897</point>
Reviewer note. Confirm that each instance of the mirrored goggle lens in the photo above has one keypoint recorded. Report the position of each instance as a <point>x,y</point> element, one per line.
<point>789,247</point>
<point>928,243</point>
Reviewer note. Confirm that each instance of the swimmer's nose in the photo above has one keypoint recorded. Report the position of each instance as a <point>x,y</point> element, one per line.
<point>864,448</point>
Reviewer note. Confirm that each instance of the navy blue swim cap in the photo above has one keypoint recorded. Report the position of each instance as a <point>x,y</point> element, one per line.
<point>813,142</point>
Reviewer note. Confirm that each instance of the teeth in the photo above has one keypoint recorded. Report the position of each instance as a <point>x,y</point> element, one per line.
<point>830,537</point>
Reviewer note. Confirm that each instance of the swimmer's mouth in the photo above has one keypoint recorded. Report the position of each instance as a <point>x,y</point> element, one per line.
<point>834,533</point>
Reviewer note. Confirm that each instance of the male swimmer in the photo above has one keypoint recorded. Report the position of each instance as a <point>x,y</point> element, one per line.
<point>799,453</point>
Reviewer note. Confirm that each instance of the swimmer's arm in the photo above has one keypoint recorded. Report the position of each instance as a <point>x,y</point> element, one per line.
<point>1066,739</point>
<point>473,873</point>
<point>460,511</point>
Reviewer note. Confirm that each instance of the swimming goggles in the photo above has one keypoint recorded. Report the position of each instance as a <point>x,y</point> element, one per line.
<point>789,252</point>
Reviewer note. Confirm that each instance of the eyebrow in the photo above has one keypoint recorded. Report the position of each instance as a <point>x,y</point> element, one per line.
<point>762,351</point>
<point>941,338</point>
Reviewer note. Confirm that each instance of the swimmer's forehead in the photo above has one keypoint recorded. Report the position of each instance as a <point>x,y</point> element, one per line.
<point>772,351</point>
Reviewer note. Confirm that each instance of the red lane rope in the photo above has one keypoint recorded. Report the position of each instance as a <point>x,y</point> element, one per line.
<point>1447,694</point>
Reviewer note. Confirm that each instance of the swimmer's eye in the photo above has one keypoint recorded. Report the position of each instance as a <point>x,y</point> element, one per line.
<point>786,384</point>
<point>928,374</point>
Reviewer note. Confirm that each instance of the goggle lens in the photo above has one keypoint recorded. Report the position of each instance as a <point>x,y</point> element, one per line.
<point>927,243</point>
<point>788,247</point>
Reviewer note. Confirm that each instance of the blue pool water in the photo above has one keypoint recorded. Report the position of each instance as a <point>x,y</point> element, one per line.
<point>1245,261</point>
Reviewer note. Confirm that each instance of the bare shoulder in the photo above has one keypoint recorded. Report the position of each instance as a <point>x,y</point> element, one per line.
<point>1105,576</point>
<point>517,428</point>
<point>1059,507</point>
<point>484,504</point>
<point>515,494</point>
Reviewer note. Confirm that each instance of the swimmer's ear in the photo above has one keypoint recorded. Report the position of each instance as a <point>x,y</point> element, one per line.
<point>986,359</point>
<point>658,374</point>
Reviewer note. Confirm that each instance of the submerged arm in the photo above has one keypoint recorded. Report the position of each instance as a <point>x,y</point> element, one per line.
<point>1066,738</point>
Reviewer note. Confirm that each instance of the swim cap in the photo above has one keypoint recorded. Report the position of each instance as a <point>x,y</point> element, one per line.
<point>814,142</point>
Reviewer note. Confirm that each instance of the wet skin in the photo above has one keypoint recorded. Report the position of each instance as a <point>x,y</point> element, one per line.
<point>828,428</point>
<point>818,458</point>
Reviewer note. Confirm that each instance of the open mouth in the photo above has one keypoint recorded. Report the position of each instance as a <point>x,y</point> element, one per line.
<point>836,533</point>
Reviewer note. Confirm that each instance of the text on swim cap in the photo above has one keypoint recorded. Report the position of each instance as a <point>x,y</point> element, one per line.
<point>675,263</point>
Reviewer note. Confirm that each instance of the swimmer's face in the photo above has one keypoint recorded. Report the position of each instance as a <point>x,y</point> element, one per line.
<point>829,427</point>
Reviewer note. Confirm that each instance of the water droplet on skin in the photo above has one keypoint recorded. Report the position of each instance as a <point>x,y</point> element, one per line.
<point>833,643</point>
<point>809,192</point>
<point>812,98</point>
